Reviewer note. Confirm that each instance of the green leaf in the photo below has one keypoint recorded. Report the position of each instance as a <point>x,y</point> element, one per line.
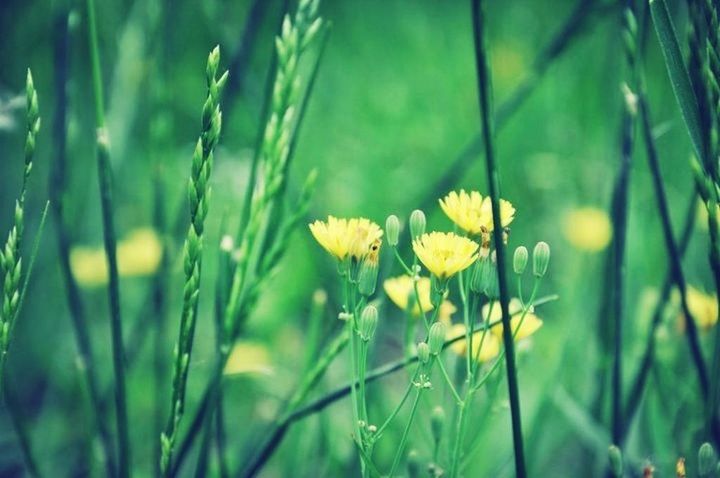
<point>679,77</point>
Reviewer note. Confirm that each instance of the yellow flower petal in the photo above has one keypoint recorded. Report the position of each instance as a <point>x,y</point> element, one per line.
<point>248,357</point>
<point>588,229</point>
<point>490,344</point>
<point>138,255</point>
<point>703,307</point>
<point>445,254</point>
<point>346,237</point>
<point>473,213</point>
<point>401,289</point>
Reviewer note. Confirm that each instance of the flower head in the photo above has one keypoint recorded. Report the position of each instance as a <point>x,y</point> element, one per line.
<point>490,344</point>
<point>401,290</point>
<point>703,307</point>
<point>588,229</point>
<point>346,237</point>
<point>473,213</point>
<point>445,254</point>
<point>530,324</point>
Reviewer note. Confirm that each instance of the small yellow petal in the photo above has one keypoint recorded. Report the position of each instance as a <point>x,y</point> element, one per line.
<point>445,254</point>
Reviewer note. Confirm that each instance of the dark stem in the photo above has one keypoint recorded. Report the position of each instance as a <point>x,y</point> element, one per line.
<point>57,192</point>
<point>485,92</point>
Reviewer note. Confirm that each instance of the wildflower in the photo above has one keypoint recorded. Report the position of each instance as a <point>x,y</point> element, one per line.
<point>401,290</point>
<point>346,237</point>
<point>138,255</point>
<point>588,229</point>
<point>490,344</point>
<point>530,324</point>
<point>472,213</point>
<point>445,254</point>
<point>703,307</point>
<point>248,357</point>
<point>447,309</point>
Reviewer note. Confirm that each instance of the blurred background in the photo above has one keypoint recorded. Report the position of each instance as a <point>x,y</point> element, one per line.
<point>393,109</point>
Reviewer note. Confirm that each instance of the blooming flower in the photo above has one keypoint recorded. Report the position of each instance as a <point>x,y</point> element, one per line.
<point>346,237</point>
<point>139,254</point>
<point>588,229</point>
<point>445,254</point>
<point>530,324</point>
<point>473,213</point>
<point>401,290</point>
<point>490,344</point>
<point>703,307</point>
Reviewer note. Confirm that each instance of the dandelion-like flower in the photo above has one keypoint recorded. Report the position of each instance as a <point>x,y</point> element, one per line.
<point>703,307</point>
<point>346,237</point>
<point>445,254</point>
<point>401,290</point>
<point>588,229</point>
<point>530,324</point>
<point>490,344</point>
<point>473,213</point>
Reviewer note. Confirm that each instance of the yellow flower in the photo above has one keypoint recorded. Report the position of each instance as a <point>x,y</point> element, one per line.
<point>447,309</point>
<point>473,213</point>
<point>588,229</point>
<point>703,307</point>
<point>139,254</point>
<point>530,324</point>
<point>445,254</point>
<point>346,237</point>
<point>400,290</point>
<point>248,357</point>
<point>490,344</point>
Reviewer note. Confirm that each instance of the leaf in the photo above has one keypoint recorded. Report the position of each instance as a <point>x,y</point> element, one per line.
<point>679,77</point>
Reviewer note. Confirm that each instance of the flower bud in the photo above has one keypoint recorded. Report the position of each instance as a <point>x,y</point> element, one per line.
<point>392,229</point>
<point>520,260</point>
<point>706,460</point>
<point>417,223</point>
<point>413,464</point>
<point>367,277</point>
<point>541,258</point>
<point>423,352</point>
<point>368,323</point>
<point>436,339</point>
<point>616,461</point>
<point>437,421</point>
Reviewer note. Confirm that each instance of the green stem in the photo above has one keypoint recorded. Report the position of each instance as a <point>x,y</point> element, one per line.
<point>406,431</point>
<point>494,183</point>
<point>106,199</point>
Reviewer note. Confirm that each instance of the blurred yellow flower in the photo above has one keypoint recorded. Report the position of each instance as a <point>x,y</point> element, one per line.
<point>703,307</point>
<point>248,357</point>
<point>588,229</point>
<point>138,255</point>
<point>472,213</point>
<point>508,62</point>
<point>530,324</point>
<point>346,237</point>
<point>447,309</point>
<point>445,254</point>
<point>490,344</point>
<point>400,290</point>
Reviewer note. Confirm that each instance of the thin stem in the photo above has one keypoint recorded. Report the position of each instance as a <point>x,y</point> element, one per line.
<point>397,409</point>
<point>106,199</point>
<point>640,380</point>
<point>449,381</point>
<point>406,431</point>
<point>485,90</point>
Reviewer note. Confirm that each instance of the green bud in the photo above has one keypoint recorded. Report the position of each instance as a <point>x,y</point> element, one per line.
<point>436,339</point>
<point>520,260</point>
<point>437,421</point>
<point>392,229</point>
<point>368,323</point>
<point>423,352</point>
<point>706,460</point>
<point>417,223</point>
<point>541,258</point>
<point>616,461</point>
<point>367,277</point>
<point>413,464</point>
